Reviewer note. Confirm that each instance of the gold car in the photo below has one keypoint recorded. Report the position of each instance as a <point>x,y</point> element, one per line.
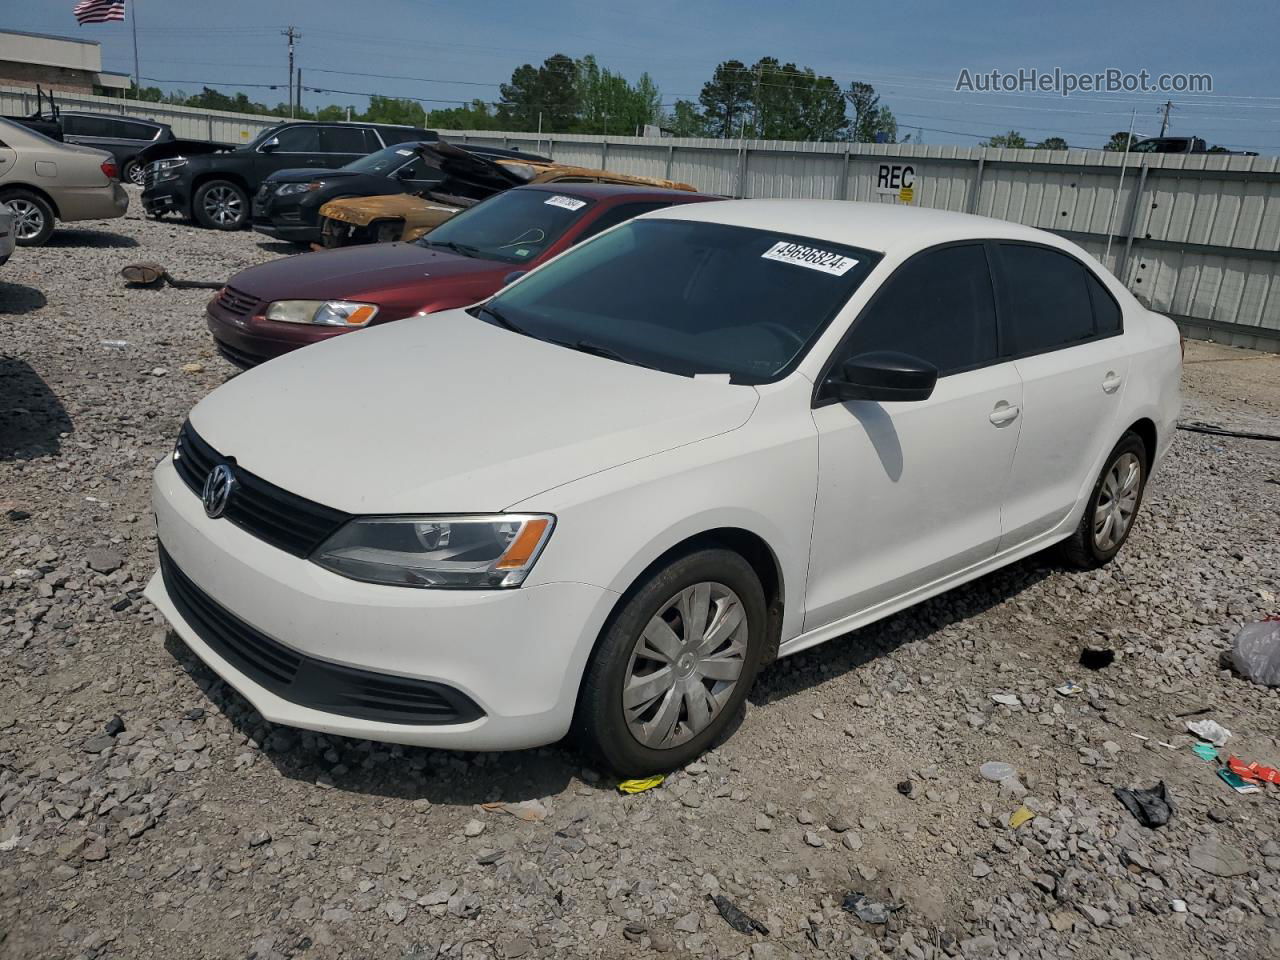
<point>467,179</point>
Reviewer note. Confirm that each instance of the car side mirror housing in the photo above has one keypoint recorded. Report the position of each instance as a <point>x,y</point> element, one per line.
<point>881,375</point>
<point>270,145</point>
<point>513,276</point>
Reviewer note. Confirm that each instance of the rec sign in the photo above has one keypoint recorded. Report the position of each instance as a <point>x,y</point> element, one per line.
<point>897,178</point>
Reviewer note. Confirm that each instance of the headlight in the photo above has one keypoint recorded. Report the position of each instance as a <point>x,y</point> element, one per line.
<point>333,313</point>
<point>287,188</point>
<point>167,169</point>
<point>478,552</point>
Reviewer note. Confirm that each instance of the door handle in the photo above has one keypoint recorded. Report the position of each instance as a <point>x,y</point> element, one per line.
<point>1003,413</point>
<point>1111,382</point>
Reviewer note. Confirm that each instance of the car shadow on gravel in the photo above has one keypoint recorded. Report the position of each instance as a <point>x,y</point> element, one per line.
<point>85,239</point>
<point>17,299</point>
<point>383,769</point>
<point>282,247</point>
<point>857,648</point>
<point>31,416</point>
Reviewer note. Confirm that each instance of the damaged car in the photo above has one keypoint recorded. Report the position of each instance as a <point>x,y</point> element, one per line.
<point>466,178</point>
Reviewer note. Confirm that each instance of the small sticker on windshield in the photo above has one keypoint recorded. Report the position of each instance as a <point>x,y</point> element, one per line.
<point>405,153</point>
<point>568,203</point>
<point>522,252</point>
<point>815,259</point>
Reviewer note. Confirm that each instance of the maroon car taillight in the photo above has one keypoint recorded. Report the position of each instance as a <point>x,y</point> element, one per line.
<point>110,169</point>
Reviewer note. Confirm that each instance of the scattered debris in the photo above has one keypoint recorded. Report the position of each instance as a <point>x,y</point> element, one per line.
<point>1178,906</point>
<point>1096,658</point>
<point>1007,699</point>
<point>996,770</point>
<point>640,786</point>
<point>1255,654</point>
<point>1210,730</point>
<point>866,909</point>
<point>1253,771</point>
<point>1238,783</point>
<point>154,275</point>
<point>1151,807</point>
<point>192,368</point>
<point>17,515</point>
<point>1020,816</point>
<point>740,921</point>
<point>530,811</point>
<point>115,344</point>
<point>908,789</point>
<point>115,726</point>
<point>1068,689</point>
<point>1205,751</point>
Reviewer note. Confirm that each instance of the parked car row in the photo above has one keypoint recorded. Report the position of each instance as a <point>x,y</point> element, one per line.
<point>43,182</point>
<point>586,457</point>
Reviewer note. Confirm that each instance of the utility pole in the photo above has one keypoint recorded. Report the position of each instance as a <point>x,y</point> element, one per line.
<point>1164,123</point>
<point>298,93</point>
<point>292,33</point>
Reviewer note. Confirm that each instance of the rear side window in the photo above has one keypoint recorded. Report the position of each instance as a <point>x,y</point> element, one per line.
<point>1106,312</point>
<point>132,130</point>
<point>299,140</point>
<point>1047,299</point>
<point>346,140</point>
<point>392,135</point>
<point>938,306</point>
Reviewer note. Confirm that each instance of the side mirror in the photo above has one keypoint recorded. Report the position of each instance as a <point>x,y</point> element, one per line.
<point>270,145</point>
<point>882,375</point>
<point>513,276</point>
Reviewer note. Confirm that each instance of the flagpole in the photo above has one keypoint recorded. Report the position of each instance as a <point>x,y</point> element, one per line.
<point>137,78</point>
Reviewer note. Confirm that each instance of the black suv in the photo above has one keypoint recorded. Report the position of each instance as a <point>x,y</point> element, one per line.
<point>287,206</point>
<point>215,187</point>
<point>122,137</point>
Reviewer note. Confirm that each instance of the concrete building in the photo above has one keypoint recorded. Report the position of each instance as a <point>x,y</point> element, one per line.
<point>56,63</point>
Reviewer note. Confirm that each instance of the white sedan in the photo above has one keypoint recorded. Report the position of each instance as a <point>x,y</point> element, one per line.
<point>603,500</point>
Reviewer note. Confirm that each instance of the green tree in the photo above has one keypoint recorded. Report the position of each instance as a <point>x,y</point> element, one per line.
<point>474,116</point>
<point>333,112</point>
<point>548,92</point>
<point>883,126</point>
<point>1011,139</point>
<point>1052,143</point>
<point>685,120</point>
<point>726,97</point>
<point>1119,142</point>
<point>607,103</point>
<point>395,110</point>
<point>866,108</point>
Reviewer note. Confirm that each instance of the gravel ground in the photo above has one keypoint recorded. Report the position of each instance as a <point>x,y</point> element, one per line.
<point>146,810</point>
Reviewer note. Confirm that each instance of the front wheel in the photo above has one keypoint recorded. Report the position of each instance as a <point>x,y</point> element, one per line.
<point>1113,506</point>
<point>133,173</point>
<point>33,218</point>
<point>221,205</point>
<point>673,668</point>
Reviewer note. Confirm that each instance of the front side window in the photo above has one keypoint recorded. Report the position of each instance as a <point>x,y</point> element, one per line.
<point>689,298</point>
<point>299,140</point>
<point>938,307</point>
<point>514,226</point>
<point>1046,299</point>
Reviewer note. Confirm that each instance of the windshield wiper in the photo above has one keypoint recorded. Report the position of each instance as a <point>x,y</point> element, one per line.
<point>600,350</point>
<point>504,321</point>
<point>465,249</point>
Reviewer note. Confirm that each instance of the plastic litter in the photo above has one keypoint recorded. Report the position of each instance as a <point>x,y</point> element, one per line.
<point>1256,652</point>
<point>995,771</point>
<point>1007,699</point>
<point>1238,783</point>
<point>1068,689</point>
<point>742,922</point>
<point>1205,751</point>
<point>1096,658</point>
<point>641,785</point>
<point>1151,807</point>
<point>1210,730</point>
<point>530,811</point>
<point>115,344</point>
<point>866,909</point>
<point>1020,816</point>
<point>1253,771</point>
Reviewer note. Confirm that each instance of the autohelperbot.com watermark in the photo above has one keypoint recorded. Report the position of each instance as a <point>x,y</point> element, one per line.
<point>1066,83</point>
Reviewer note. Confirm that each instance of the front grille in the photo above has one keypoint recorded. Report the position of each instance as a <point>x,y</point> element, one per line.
<point>306,681</point>
<point>270,513</point>
<point>237,301</point>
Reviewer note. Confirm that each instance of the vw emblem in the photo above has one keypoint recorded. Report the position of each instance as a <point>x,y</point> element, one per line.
<point>217,490</point>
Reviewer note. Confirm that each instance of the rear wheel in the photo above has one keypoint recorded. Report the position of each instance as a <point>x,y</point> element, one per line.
<point>220,205</point>
<point>132,173</point>
<point>1113,506</point>
<point>33,218</point>
<point>674,666</point>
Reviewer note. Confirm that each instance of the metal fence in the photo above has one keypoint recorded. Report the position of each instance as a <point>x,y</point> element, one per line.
<point>1197,237</point>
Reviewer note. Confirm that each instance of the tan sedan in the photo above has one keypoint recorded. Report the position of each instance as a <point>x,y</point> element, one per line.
<point>43,181</point>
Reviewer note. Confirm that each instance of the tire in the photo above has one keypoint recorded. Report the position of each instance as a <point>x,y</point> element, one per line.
<point>220,205</point>
<point>1095,541</point>
<point>33,216</point>
<point>386,231</point>
<point>132,173</point>
<point>674,721</point>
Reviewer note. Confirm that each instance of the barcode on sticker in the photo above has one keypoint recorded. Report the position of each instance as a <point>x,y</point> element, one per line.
<point>569,203</point>
<point>815,259</point>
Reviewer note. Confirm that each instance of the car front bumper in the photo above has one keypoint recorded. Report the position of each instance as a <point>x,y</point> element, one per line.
<point>167,197</point>
<point>517,655</point>
<point>250,340</point>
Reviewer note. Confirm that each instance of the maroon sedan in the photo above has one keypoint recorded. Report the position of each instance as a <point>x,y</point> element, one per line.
<point>276,307</point>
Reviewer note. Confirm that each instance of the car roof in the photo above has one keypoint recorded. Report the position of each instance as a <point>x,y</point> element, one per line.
<point>608,191</point>
<point>884,227</point>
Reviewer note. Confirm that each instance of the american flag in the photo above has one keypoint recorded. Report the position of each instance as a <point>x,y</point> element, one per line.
<point>99,11</point>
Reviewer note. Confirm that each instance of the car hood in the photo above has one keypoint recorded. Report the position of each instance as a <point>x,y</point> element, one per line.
<point>395,206</point>
<point>364,272</point>
<point>446,413</point>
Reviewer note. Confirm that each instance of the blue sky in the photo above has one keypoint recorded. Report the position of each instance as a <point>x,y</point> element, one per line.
<point>911,53</point>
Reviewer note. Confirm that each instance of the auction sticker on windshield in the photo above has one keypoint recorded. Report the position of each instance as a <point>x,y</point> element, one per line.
<point>569,203</point>
<point>815,259</point>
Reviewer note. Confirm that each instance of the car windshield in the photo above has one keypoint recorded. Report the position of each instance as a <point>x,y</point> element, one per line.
<point>384,161</point>
<point>689,297</point>
<point>261,138</point>
<point>514,226</point>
